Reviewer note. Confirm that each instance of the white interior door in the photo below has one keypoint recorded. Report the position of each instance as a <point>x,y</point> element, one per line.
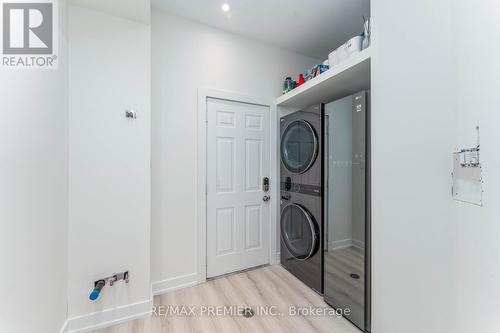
<point>237,161</point>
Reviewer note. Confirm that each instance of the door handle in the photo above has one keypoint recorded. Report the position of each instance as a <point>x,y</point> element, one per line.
<point>266,198</point>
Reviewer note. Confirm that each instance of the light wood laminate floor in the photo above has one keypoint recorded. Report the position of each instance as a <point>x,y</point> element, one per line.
<point>343,290</point>
<point>262,287</point>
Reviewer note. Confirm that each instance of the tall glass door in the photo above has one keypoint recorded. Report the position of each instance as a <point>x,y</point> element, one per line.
<point>346,169</point>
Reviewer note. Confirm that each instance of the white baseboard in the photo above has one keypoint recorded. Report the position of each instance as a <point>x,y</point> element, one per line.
<point>64,328</point>
<point>278,258</point>
<point>178,282</point>
<point>345,243</point>
<point>108,317</point>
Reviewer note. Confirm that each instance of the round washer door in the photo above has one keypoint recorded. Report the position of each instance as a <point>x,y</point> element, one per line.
<point>299,231</point>
<point>299,146</point>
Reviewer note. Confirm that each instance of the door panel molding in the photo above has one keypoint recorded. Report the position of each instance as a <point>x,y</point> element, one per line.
<point>201,184</point>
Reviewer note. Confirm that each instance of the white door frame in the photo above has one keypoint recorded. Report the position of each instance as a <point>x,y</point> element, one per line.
<point>203,95</point>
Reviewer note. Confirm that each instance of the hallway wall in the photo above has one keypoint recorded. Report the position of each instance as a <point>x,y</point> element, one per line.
<point>477,229</point>
<point>109,165</point>
<point>187,56</point>
<point>412,134</point>
<point>34,194</point>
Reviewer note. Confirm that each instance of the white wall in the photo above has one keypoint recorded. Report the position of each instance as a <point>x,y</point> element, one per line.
<point>33,195</point>
<point>412,131</point>
<point>109,161</point>
<point>476,246</point>
<point>187,56</point>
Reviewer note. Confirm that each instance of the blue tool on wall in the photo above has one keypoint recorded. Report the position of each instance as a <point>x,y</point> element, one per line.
<point>100,284</point>
<point>97,290</point>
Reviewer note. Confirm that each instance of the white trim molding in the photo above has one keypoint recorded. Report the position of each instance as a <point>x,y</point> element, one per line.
<point>274,185</point>
<point>175,283</point>
<point>64,327</point>
<point>201,205</point>
<point>108,317</point>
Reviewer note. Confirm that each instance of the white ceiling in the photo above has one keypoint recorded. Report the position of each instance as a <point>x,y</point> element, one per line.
<point>309,27</point>
<point>137,10</point>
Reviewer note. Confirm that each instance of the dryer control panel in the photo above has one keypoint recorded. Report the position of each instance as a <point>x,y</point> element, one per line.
<point>301,188</point>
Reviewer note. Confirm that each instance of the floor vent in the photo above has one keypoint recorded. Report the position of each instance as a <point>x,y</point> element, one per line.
<point>248,312</point>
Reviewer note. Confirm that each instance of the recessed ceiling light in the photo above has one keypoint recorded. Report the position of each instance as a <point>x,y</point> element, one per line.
<point>225,7</point>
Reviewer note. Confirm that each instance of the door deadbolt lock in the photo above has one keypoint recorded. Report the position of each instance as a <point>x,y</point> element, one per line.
<point>265,184</point>
<point>266,198</point>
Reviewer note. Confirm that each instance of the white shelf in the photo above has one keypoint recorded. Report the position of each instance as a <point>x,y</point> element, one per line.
<point>346,78</point>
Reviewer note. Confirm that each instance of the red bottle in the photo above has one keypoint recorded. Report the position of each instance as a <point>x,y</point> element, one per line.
<point>301,80</point>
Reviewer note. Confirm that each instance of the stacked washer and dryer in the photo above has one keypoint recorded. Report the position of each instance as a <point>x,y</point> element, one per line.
<point>325,202</point>
<point>302,195</point>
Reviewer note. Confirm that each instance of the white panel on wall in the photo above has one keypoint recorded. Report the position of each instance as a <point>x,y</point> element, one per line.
<point>476,229</point>
<point>109,160</point>
<point>34,195</point>
<point>412,135</point>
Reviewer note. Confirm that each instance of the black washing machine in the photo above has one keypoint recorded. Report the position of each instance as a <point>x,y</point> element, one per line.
<point>301,176</point>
